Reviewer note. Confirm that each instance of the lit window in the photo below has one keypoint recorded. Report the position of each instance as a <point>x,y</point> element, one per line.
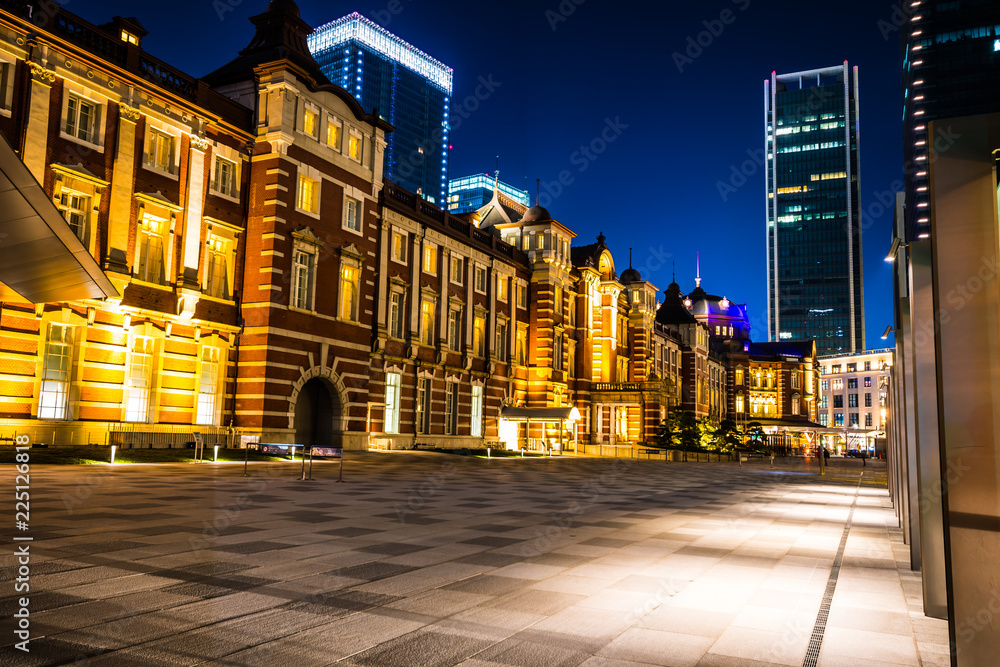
<point>399,247</point>
<point>501,347</point>
<point>476,419</point>
<point>521,345</point>
<point>129,38</point>
<point>739,376</point>
<point>795,404</point>
<point>824,419</point>
<point>558,300</point>
<point>455,329</point>
<point>224,178</point>
<point>81,119</point>
<point>739,403</point>
<point>479,336</point>
<point>522,296</point>
<point>354,147</point>
<point>139,380</point>
<point>557,351</point>
<point>868,382</point>
<point>571,363</point>
<point>427,322</point>
<point>74,208</point>
<point>481,279</point>
<point>149,250</point>
<point>502,288</point>
<point>52,399</point>
<point>868,419</point>
<point>160,155</point>
<point>423,405</point>
<point>208,386</point>
<point>430,258</point>
<point>451,409</point>
<point>352,214</point>
<point>796,380</point>
<point>392,385</point>
<point>349,292</point>
<point>824,402</point>
<point>308,196</point>
<point>310,121</point>
<point>333,135</point>
<point>396,314</point>
<point>457,270</point>
<point>838,385</point>
<point>868,399</point>
<point>217,269</point>
<point>302,280</point>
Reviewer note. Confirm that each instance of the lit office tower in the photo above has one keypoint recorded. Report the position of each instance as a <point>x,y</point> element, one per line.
<point>471,193</point>
<point>406,86</point>
<point>814,282</point>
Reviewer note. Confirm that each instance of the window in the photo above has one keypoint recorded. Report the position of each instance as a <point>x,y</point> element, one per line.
<point>479,336</point>
<point>457,269</point>
<point>835,368</point>
<point>81,119</point>
<point>852,383</point>
<point>308,195</point>
<point>571,363</point>
<point>149,250</point>
<point>852,368</point>
<point>824,402</point>
<point>868,382</point>
<point>852,400</point>
<point>455,329</point>
<point>868,399</point>
<point>795,404</point>
<point>481,279</point>
<point>739,377</point>
<point>430,258</point>
<point>739,403</point>
<point>217,269</point>
<point>129,38</point>
<point>354,147</point>
<point>6,84</point>
<point>522,296</point>
<point>756,379</point>
<point>521,345</point>
<point>208,386</point>
<point>139,380</point>
<point>423,405</point>
<point>501,348</point>
<point>451,409</point>
<point>224,179</point>
<point>854,419</point>
<point>74,207</point>
<point>868,365</point>
<point>502,282</point>
<point>349,292</point>
<point>399,247</point>
<point>476,420</point>
<point>392,384</point>
<point>557,351</point>
<point>396,314</point>
<point>824,385</point>
<point>333,135</point>
<point>558,300</point>
<point>796,380</point>
<point>54,394</point>
<point>427,322</point>
<point>838,400</point>
<point>838,385</point>
<point>571,310</point>
<point>160,155</point>
<point>310,122</point>
<point>352,214</point>
<point>868,419</point>
<point>824,419</point>
<point>302,280</point>
<point>838,418</point>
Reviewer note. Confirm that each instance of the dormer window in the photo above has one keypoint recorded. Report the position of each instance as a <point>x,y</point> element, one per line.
<point>130,38</point>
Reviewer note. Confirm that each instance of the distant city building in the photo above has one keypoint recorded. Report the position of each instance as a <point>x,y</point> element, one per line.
<point>814,277</point>
<point>471,193</point>
<point>404,85</point>
<point>853,389</point>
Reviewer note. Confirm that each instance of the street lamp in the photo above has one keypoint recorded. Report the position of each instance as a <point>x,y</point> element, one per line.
<point>888,330</point>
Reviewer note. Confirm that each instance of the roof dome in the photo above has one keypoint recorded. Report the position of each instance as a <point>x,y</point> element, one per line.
<point>536,214</point>
<point>630,275</point>
<point>713,305</point>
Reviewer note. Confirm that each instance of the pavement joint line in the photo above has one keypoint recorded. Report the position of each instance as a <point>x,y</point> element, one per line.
<point>819,629</point>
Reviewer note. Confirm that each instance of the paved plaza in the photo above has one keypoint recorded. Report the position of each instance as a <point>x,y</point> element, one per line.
<point>433,559</point>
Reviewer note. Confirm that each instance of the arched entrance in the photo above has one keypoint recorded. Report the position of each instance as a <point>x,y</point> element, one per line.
<point>317,411</point>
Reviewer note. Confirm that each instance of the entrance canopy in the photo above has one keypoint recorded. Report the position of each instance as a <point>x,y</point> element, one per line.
<point>41,259</point>
<point>539,414</point>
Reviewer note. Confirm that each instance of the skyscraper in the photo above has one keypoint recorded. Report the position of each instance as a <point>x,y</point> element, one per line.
<point>404,85</point>
<point>471,193</point>
<point>814,273</point>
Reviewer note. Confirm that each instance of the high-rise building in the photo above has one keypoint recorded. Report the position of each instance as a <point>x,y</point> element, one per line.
<point>471,193</point>
<point>814,275</point>
<point>405,86</point>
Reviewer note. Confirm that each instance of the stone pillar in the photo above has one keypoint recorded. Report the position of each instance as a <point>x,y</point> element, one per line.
<point>36,135</point>
<point>193,209</point>
<point>122,179</point>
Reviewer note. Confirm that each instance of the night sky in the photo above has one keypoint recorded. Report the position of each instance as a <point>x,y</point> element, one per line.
<point>684,114</point>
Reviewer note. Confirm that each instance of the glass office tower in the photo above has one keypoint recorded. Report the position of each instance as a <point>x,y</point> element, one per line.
<point>404,85</point>
<point>814,276</point>
<point>471,193</point>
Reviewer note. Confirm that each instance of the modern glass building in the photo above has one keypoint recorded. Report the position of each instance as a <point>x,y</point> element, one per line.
<point>471,193</point>
<point>404,85</point>
<point>814,272</point>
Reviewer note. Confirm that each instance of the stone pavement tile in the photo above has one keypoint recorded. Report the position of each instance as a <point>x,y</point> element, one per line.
<point>630,603</point>
<point>598,661</point>
<point>493,621</point>
<point>439,603</point>
<point>533,601</point>
<point>782,647</point>
<point>531,571</point>
<point>687,621</point>
<point>657,647</point>
<point>794,621</point>
<point>566,583</point>
<point>488,584</point>
<point>862,644</point>
<point>886,622</point>
<point>519,652</point>
<point>422,647</point>
<point>580,620</point>
<point>406,584</point>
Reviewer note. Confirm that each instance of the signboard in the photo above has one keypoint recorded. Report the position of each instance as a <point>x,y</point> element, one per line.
<point>329,452</point>
<point>280,450</point>
<point>199,445</point>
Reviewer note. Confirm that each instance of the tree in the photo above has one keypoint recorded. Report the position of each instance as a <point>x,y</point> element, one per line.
<point>755,438</point>
<point>727,437</point>
<point>682,431</point>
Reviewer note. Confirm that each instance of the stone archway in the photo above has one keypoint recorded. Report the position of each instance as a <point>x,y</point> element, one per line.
<point>317,409</point>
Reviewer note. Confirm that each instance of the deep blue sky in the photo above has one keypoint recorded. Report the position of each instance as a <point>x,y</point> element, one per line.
<point>655,187</point>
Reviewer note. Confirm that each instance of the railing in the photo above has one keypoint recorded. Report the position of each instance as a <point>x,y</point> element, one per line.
<point>617,386</point>
<point>458,225</point>
<point>89,38</point>
<point>146,436</point>
<point>168,77</point>
<point>431,211</point>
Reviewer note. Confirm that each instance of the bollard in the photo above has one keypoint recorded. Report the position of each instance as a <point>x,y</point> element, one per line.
<point>113,450</point>
<point>216,459</point>
<point>488,452</point>
<point>246,458</point>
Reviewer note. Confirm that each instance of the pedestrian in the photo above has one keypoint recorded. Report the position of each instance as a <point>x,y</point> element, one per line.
<point>826,454</point>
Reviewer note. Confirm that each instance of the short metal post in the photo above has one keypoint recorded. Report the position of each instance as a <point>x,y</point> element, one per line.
<point>340,475</point>
<point>310,463</point>
<point>246,458</point>
<point>303,461</point>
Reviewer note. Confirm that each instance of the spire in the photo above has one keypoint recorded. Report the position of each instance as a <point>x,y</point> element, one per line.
<point>697,280</point>
<point>630,258</point>
<point>673,270</point>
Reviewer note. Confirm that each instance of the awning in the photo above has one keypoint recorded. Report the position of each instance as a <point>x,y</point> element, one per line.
<point>41,259</point>
<point>539,414</point>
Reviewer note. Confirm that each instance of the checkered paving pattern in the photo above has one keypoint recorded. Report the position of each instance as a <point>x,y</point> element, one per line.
<point>429,559</point>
